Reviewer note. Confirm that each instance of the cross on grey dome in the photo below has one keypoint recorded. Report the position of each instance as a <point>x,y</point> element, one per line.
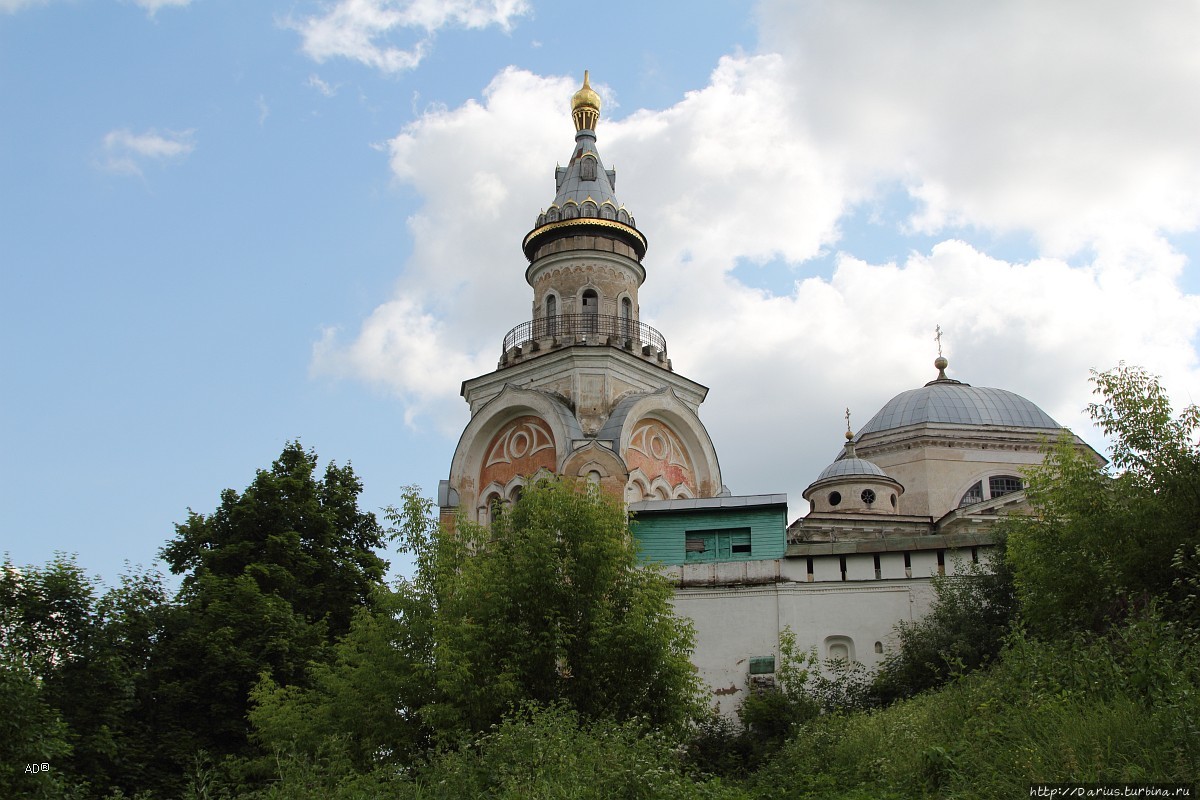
<point>952,402</point>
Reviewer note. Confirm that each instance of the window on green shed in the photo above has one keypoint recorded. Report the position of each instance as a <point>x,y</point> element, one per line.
<point>718,545</point>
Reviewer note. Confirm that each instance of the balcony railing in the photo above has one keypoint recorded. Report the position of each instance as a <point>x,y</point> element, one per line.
<point>619,331</point>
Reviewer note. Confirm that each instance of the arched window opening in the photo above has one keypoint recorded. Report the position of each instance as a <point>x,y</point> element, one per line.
<point>973,495</point>
<point>591,310</point>
<point>1001,485</point>
<point>551,315</point>
<point>997,486</point>
<point>491,508</point>
<point>626,318</point>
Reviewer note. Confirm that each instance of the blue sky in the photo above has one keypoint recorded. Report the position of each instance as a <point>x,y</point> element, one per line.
<point>224,225</point>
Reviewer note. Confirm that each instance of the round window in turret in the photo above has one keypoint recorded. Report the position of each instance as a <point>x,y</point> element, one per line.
<point>835,498</point>
<point>868,496</point>
<point>893,501</point>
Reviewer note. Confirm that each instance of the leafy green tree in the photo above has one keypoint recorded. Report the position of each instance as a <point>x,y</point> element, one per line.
<point>553,606</point>
<point>85,654</point>
<point>1098,546</point>
<point>31,735</point>
<point>271,579</point>
<point>972,612</point>
<point>548,605</point>
<point>299,538</point>
<point>364,702</point>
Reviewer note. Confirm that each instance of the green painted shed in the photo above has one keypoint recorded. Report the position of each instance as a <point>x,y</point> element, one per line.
<point>711,529</point>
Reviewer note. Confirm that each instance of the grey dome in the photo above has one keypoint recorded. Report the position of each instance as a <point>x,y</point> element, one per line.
<point>954,403</point>
<point>848,467</point>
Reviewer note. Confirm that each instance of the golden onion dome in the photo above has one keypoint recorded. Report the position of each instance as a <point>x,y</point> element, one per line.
<point>585,106</point>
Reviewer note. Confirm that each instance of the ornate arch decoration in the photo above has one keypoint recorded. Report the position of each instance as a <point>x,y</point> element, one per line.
<point>521,447</point>
<point>593,457</point>
<point>497,444</point>
<point>661,489</point>
<point>675,439</point>
<point>637,488</point>
<point>683,493</point>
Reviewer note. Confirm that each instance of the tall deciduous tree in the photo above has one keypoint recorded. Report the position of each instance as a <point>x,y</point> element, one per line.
<point>554,606</point>
<point>271,578</point>
<point>1097,544</point>
<point>547,605</point>
<point>84,655</point>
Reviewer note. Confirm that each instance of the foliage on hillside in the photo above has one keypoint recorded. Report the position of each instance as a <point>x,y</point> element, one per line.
<point>1120,708</point>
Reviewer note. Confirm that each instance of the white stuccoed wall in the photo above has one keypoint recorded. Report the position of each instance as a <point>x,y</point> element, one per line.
<point>735,623</point>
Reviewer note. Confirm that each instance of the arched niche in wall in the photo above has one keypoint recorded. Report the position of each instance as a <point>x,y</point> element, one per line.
<point>839,647</point>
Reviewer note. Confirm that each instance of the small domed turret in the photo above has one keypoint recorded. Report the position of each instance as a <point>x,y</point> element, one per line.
<point>852,484</point>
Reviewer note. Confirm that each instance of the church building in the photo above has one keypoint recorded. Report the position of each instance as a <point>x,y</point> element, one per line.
<point>585,389</point>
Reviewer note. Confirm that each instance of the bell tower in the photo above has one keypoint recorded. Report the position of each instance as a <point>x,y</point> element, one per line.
<point>584,387</point>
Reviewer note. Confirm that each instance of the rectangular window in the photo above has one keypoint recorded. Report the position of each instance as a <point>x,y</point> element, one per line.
<point>762,665</point>
<point>719,545</point>
<point>878,571</point>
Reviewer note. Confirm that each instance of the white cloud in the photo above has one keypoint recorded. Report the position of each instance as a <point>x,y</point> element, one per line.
<point>1010,121</point>
<point>314,81</point>
<point>361,29</point>
<point>1073,120</point>
<point>127,152</point>
<point>152,6</point>
<point>13,6</point>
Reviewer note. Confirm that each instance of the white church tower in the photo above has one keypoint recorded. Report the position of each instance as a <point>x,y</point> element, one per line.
<point>584,387</point>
